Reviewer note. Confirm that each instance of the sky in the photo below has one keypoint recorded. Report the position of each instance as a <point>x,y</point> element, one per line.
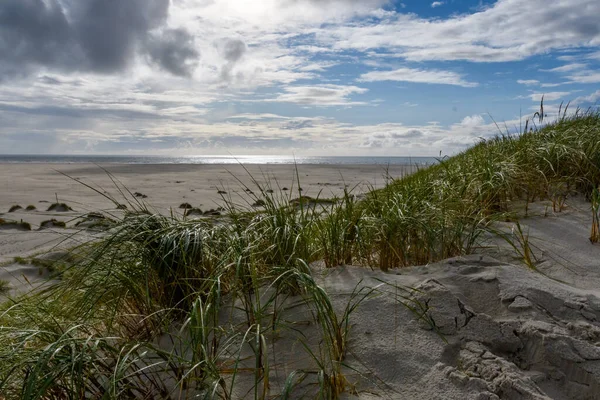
<point>303,77</point>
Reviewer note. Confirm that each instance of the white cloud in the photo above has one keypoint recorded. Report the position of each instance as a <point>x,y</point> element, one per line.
<point>553,84</point>
<point>473,121</point>
<point>550,96</point>
<point>528,82</point>
<point>508,30</point>
<point>567,68</point>
<point>535,82</point>
<point>585,76</point>
<point>592,98</point>
<point>321,95</point>
<point>437,4</point>
<point>419,76</point>
<point>249,116</point>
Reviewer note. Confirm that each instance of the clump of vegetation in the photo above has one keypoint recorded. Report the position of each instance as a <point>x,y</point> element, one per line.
<point>192,211</point>
<point>95,221</point>
<point>21,260</point>
<point>311,200</point>
<point>21,225</point>
<point>185,205</point>
<point>14,208</point>
<point>4,286</point>
<point>30,208</point>
<point>59,207</point>
<point>52,223</point>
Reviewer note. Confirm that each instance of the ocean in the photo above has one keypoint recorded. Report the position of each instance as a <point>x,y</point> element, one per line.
<point>121,159</point>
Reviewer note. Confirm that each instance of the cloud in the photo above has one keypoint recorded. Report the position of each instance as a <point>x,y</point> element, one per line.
<point>250,116</point>
<point>508,30</point>
<point>585,76</point>
<point>567,68</point>
<point>173,50</point>
<point>550,96</point>
<point>321,95</point>
<point>437,4</point>
<point>418,76</point>
<point>233,49</point>
<point>472,121</point>
<point>592,98</point>
<point>528,82</point>
<point>89,35</point>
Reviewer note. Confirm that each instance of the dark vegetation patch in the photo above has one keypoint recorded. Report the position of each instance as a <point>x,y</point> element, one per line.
<point>312,200</point>
<point>21,225</point>
<point>14,208</point>
<point>52,223</point>
<point>94,221</point>
<point>59,207</point>
<point>21,260</point>
<point>192,211</point>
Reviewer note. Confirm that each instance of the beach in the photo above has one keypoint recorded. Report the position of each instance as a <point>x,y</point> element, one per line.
<point>161,187</point>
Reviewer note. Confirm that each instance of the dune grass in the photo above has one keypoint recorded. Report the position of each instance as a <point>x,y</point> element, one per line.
<point>14,208</point>
<point>52,223</point>
<point>219,292</point>
<point>18,225</point>
<point>60,207</point>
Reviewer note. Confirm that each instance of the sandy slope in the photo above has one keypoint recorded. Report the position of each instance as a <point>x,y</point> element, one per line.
<point>495,330</point>
<point>501,330</point>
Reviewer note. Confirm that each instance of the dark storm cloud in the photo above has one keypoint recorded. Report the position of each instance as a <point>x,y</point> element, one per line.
<point>33,32</point>
<point>92,35</point>
<point>110,30</point>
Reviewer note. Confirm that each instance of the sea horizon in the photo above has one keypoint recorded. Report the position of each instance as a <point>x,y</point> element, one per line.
<point>214,159</point>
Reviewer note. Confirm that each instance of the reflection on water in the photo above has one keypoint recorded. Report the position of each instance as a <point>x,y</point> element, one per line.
<point>262,159</point>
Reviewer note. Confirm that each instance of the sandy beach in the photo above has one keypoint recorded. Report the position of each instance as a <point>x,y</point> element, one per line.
<point>165,187</point>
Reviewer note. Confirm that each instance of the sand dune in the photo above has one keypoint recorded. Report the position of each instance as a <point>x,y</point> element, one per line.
<point>495,330</point>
